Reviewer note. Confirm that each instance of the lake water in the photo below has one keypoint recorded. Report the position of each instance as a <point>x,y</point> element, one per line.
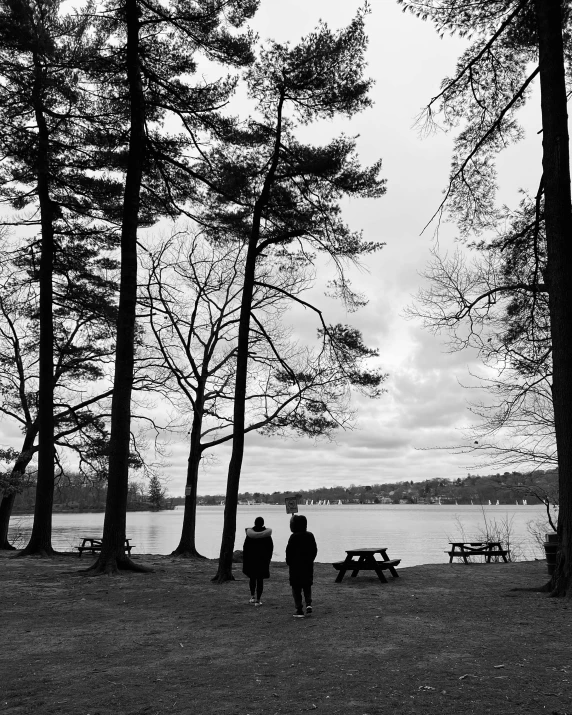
<point>417,534</point>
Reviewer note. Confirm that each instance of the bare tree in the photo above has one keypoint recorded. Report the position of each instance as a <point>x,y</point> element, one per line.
<point>83,346</point>
<point>495,304</point>
<point>194,296</point>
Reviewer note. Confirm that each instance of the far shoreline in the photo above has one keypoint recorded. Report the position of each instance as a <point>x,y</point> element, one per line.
<point>16,512</point>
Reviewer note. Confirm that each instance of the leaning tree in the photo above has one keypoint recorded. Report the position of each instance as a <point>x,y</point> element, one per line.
<point>272,189</point>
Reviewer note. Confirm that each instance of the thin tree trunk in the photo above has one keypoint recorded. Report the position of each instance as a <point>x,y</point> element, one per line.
<point>558,218</point>
<point>41,537</point>
<point>18,471</point>
<point>224,572</point>
<point>187,545</point>
<point>112,557</point>
<point>6,506</point>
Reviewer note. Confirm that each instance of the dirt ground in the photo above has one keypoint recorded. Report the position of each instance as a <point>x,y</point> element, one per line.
<point>439,640</point>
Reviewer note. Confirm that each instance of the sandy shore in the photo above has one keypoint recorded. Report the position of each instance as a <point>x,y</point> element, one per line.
<point>439,640</point>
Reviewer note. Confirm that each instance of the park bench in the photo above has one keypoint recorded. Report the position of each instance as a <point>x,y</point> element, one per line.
<point>488,549</point>
<point>366,561</point>
<point>94,545</point>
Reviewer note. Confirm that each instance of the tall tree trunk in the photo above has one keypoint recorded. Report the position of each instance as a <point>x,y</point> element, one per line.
<point>41,537</point>
<point>224,572</point>
<point>187,545</point>
<point>558,218</point>
<point>18,471</point>
<point>112,557</point>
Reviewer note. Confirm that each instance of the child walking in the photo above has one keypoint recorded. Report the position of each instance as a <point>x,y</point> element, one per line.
<point>256,555</point>
<point>300,554</point>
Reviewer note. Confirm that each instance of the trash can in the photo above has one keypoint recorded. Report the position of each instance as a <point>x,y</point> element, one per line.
<point>551,547</point>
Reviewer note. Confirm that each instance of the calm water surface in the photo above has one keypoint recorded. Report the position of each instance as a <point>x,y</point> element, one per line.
<point>418,534</point>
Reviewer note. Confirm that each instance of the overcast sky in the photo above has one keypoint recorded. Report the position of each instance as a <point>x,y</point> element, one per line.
<point>425,405</point>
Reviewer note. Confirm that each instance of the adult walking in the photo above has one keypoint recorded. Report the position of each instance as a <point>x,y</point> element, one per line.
<point>300,554</point>
<point>256,554</point>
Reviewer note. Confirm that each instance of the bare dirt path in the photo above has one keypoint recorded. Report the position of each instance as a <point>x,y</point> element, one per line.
<point>440,640</point>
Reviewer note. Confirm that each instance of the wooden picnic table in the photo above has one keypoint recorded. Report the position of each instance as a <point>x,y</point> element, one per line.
<point>488,549</point>
<point>90,543</point>
<point>364,560</point>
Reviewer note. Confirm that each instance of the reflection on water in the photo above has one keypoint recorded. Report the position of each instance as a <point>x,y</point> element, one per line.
<point>417,534</point>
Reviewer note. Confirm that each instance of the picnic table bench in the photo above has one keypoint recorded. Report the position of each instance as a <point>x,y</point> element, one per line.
<point>364,560</point>
<point>93,545</point>
<point>488,549</point>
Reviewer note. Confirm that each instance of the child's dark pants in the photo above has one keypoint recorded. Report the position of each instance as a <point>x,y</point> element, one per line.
<point>297,593</point>
<point>258,584</point>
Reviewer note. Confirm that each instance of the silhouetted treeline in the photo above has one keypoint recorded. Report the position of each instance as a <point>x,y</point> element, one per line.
<point>74,493</point>
<point>507,488</point>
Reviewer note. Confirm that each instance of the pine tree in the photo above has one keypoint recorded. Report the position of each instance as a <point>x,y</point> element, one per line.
<point>273,190</point>
<point>144,77</point>
<point>156,494</point>
<point>43,112</point>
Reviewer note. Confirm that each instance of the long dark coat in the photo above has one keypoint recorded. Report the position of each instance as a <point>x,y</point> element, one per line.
<point>300,554</point>
<point>256,553</point>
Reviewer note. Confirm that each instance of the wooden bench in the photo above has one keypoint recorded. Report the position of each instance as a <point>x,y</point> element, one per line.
<point>379,565</point>
<point>94,546</point>
<point>366,561</point>
<point>464,549</point>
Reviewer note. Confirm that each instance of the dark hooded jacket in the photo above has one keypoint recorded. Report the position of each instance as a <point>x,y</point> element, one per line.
<point>257,552</point>
<point>300,554</point>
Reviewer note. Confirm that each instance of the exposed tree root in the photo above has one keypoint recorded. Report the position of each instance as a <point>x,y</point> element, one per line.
<point>222,577</point>
<point>43,553</point>
<point>532,589</point>
<point>560,592</point>
<point>112,565</point>
<point>185,553</point>
<point>553,590</point>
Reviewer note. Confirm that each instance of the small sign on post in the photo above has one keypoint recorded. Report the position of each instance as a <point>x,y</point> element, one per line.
<point>291,505</point>
<point>187,491</point>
